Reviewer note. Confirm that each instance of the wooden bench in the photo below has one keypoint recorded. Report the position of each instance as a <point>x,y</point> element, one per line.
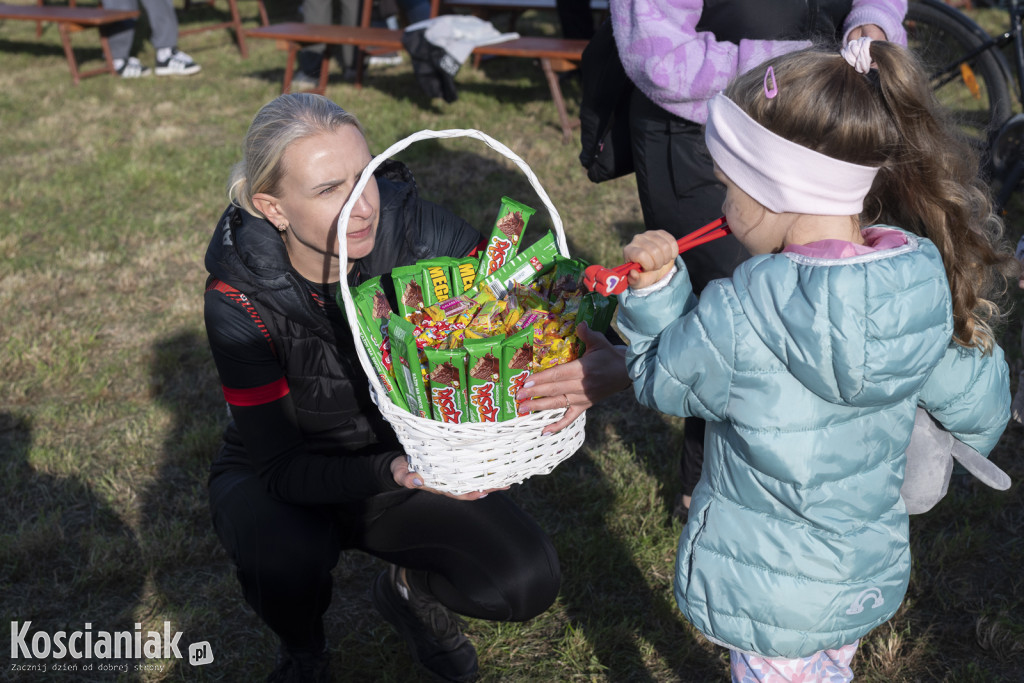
<point>71,20</point>
<point>544,49</point>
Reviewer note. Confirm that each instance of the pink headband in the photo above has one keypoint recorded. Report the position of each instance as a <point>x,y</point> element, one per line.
<point>779,174</point>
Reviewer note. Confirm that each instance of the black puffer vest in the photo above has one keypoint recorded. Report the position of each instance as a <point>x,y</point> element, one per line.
<point>315,349</point>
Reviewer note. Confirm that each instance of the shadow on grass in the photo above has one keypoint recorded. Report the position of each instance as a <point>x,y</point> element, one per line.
<point>629,620</point>
<point>66,558</point>
<point>191,579</point>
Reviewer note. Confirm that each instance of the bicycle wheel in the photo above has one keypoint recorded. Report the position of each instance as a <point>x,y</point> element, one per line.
<point>942,37</point>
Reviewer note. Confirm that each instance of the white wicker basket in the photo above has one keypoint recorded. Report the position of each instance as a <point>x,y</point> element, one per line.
<point>459,458</point>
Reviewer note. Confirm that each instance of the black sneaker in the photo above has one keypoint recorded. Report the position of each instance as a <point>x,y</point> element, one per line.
<point>178,64</point>
<point>432,631</point>
<point>300,668</point>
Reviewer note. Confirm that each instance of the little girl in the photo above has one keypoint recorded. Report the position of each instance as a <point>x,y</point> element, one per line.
<point>869,294</point>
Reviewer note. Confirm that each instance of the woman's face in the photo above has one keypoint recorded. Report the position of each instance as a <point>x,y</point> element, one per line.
<point>754,226</point>
<point>319,175</point>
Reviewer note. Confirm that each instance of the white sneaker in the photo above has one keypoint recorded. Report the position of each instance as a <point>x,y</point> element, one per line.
<point>178,64</point>
<point>132,68</point>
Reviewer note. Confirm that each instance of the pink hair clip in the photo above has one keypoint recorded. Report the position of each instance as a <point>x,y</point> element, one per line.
<point>772,90</point>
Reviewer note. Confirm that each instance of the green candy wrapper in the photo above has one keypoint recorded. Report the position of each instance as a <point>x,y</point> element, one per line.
<point>409,289</point>
<point>516,364</point>
<point>523,269</point>
<point>372,314</point>
<point>437,281</point>
<point>464,274</point>
<point>409,365</point>
<point>505,236</point>
<point>483,377</point>
<point>447,384</point>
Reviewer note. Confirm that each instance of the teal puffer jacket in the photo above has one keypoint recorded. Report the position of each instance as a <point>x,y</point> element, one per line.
<point>808,372</point>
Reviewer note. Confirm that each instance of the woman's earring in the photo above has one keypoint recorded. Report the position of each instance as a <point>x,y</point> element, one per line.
<point>282,227</point>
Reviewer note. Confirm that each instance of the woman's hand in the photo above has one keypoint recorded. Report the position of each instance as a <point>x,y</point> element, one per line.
<point>655,251</point>
<point>578,384</point>
<point>412,480</point>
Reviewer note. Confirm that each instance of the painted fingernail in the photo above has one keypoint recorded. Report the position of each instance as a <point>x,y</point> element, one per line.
<point>528,384</point>
<point>417,481</point>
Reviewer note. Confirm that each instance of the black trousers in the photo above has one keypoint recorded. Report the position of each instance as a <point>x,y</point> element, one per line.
<point>576,19</point>
<point>485,559</point>
<point>679,193</point>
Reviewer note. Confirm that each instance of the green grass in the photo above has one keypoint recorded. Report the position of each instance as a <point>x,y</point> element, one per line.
<point>110,409</point>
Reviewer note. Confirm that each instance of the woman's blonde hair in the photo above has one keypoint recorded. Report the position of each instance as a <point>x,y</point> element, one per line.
<point>277,125</point>
<point>928,182</point>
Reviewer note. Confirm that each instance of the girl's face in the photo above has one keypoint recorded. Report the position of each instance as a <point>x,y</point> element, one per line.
<point>756,228</point>
<point>319,175</point>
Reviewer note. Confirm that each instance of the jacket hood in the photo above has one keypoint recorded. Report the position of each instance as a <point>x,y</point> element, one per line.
<point>852,330</point>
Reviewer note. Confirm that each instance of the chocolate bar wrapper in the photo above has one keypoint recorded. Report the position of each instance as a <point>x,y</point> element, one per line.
<point>597,312</point>
<point>523,269</point>
<point>464,274</point>
<point>483,377</point>
<point>437,281</point>
<point>372,313</point>
<point>505,236</point>
<point>409,290</point>
<point>447,373</point>
<point>516,365</point>
<point>410,366</point>
<point>566,283</point>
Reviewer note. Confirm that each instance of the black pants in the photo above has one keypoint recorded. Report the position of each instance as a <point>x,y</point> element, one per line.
<point>576,19</point>
<point>485,559</point>
<point>679,193</point>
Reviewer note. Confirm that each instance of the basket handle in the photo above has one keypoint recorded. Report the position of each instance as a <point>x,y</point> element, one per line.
<point>377,390</point>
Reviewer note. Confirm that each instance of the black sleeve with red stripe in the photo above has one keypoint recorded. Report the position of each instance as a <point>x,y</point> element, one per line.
<point>257,390</point>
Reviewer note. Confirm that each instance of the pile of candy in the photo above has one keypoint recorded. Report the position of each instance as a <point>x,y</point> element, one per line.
<point>469,331</point>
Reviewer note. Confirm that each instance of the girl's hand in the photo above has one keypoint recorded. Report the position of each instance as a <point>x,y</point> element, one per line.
<point>581,383</point>
<point>655,251</point>
<point>411,480</point>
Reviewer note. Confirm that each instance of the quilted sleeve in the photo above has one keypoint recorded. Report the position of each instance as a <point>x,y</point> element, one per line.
<point>969,394</point>
<point>680,350</point>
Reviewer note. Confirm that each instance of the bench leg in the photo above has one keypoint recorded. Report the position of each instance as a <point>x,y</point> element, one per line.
<point>69,54</point>
<point>236,21</point>
<point>325,71</point>
<point>360,63</point>
<point>107,56</point>
<point>556,95</point>
<point>289,67</point>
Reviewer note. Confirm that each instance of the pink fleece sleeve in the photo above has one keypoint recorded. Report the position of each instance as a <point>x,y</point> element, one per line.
<point>888,15</point>
<point>680,69</point>
<point>672,63</point>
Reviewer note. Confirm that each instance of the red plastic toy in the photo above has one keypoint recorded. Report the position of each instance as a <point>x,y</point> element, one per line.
<point>609,281</point>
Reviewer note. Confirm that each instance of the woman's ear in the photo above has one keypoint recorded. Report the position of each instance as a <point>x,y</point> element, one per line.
<point>270,207</point>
